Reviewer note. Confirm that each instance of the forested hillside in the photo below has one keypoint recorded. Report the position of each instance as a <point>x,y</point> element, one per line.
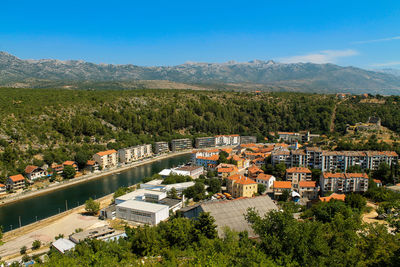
<point>55,125</point>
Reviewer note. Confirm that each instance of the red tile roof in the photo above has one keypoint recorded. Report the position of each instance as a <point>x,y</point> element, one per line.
<point>69,162</point>
<point>333,196</point>
<point>356,175</point>
<point>90,162</point>
<point>333,175</point>
<point>377,181</point>
<point>299,169</point>
<point>265,177</point>
<point>17,178</point>
<point>307,184</point>
<point>283,184</point>
<point>254,169</point>
<point>2,185</point>
<point>108,152</point>
<point>30,168</point>
<point>229,169</point>
<point>213,157</point>
<point>240,179</point>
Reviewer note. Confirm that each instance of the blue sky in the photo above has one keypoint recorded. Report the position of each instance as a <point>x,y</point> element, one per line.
<point>359,33</point>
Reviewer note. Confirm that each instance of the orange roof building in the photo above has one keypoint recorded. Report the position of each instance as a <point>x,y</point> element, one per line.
<point>253,171</point>
<point>241,186</point>
<point>30,168</point>
<point>16,182</point>
<point>282,185</point>
<point>344,182</point>
<point>335,196</point>
<point>106,159</point>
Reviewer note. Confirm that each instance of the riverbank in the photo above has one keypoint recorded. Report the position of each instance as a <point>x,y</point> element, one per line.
<point>85,178</point>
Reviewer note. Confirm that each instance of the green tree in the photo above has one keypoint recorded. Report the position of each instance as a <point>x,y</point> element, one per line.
<point>214,185</point>
<point>205,224</point>
<point>285,196</point>
<point>356,201</point>
<point>173,193</point>
<point>91,206</point>
<point>261,188</point>
<point>23,250</point>
<point>383,173</point>
<point>69,172</point>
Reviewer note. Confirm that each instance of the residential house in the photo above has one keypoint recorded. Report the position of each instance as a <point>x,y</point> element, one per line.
<point>253,171</point>
<point>57,168</point>
<point>308,189</point>
<point>15,182</point>
<point>3,188</point>
<point>344,182</point>
<point>239,161</point>
<point>34,172</point>
<point>378,182</point>
<point>280,186</point>
<point>241,186</point>
<point>226,170</point>
<point>266,179</point>
<point>106,159</point>
<point>71,163</point>
<point>91,166</point>
<point>297,174</point>
<point>335,196</point>
<point>258,161</point>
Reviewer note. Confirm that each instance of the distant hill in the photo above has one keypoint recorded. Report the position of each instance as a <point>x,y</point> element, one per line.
<point>395,72</point>
<point>257,74</point>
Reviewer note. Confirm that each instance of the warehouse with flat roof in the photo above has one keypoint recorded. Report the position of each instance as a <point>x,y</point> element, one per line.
<point>142,212</point>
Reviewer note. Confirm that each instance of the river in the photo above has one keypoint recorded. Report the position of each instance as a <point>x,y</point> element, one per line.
<point>43,206</point>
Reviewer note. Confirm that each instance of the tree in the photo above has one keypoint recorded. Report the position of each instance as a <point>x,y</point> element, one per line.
<point>261,188</point>
<point>205,224</point>
<point>354,169</point>
<point>284,196</point>
<point>223,157</point>
<point>214,185</point>
<point>36,244</point>
<point>23,250</point>
<point>279,170</point>
<point>69,172</point>
<point>81,158</point>
<point>173,193</point>
<point>91,206</point>
<point>383,173</point>
<point>356,201</point>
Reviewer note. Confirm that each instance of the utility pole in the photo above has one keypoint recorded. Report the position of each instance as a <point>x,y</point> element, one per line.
<point>66,205</point>
<point>36,218</point>
<point>19,218</point>
<point>11,226</point>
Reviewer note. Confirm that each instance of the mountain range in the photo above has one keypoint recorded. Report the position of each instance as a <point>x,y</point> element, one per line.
<point>252,75</point>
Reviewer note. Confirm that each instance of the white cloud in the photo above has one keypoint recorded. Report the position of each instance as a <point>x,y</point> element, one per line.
<point>378,40</point>
<point>386,64</point>
<point>326,56</point>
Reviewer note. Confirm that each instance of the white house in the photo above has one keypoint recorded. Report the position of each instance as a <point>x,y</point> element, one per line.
<point>34,172</point>
<point>266,179</point>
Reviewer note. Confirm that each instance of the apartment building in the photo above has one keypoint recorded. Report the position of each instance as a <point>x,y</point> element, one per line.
<point>241,186</point>
<point>291,137</point>
<point>207,162</point>
<point>344,182</point>
<point>297,174</point>
<point>161,147</point>
<point>308,189</point>
<point>106,159</point>
<point>225,170</point>
<point>280,186</point>
<point>330,161</point>
<point>15,182</point>
<point>134,153</point>
<point>227,140</point>
<point>248,139</point>
<point>203,142</point>
<point>181,144</point>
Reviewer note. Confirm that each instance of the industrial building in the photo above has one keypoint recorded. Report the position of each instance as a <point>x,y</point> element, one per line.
<point>142,211</point>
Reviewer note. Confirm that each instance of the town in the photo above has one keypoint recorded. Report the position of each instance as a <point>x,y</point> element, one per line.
<point>226,176</point>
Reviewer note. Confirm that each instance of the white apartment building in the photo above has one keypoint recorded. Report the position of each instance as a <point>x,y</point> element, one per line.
<point>344,182</point>
<point>106,159</point>
<point>227,140</point>
<point>134,153</point>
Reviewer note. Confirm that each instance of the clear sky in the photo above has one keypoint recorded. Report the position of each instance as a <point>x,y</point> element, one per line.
<point>359,33</point>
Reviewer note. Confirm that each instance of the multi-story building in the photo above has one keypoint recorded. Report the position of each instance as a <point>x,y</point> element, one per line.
<point>344,182</point>
<point>34,172</point>
<point>248,139</point>
<point>181,144</point>
<point>226,171</point>
<point>308,189</point>
<point>203,142</point>
<point>15,182</point>
<point>297,174</point>
<point>290,137</point>
<point>227,140</point>
<point>330,161</point>
<point>204,153</point>
<point>241,186</point>
<point>3,189</point>
<point>131,154</point>
<point>208,162</point>
<point>280,186</point>
<point>106,159</point>
<point>253,171</point>
<point>266,179</point>
<point>161,147</point>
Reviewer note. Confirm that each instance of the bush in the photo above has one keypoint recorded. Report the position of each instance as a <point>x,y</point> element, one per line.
<point>23,250</point>
<point>91,206</point>
<point>36,244</point>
